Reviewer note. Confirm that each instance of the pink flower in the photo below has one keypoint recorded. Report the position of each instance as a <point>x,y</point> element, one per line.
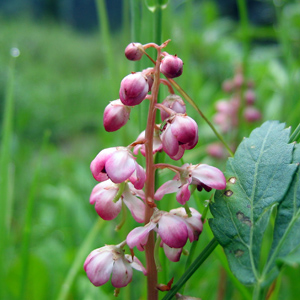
<point>116,115</point>
<point>118,164</point>
<point>110,261</point>
<point>171,66</point>
<point>179,133</point>
<point>201,175</point>
<point>194,222</point>
<point>134,88</point>
<point>103,196</point>
<point>157,145</point>
<point>175,103</point>
<point>173,227</point>
<point>134,51</point>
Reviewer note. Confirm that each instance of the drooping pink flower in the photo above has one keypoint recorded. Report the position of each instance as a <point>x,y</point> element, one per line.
<point>157,145</point>
<point>116,115</point>
<point>175,103</point>
<point>103,196</point>
<point>134,51</point>
<point>110,261</point>
<point>171,66</point>
<point>202,175</point>
<point>179,133</point>
<point>134,88</point>
<point>173,228</point>
<point>118,164</point>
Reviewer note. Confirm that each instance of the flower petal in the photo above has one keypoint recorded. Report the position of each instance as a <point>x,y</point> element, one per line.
<point>120,166</point>
<point>121,273</point>
<point>169,141</point>
<point>172,230</point>
<point>168,187</point>
<point>135,205</point>
<point>173,254</point>
<point>184,194</point>
<point>136,264</point>
<point>210,176</point>
<point>139,236</point>
<point>138,177</point>
<point>98,266</point>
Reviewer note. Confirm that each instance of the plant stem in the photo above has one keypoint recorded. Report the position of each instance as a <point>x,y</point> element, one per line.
<point>150,183</point>
<point>192,269</point>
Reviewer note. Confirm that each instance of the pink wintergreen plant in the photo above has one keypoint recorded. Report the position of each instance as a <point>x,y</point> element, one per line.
<point>110,261</point>
<point>173,102</point>
<point>171,66</point>
<point>179,133</point>
<point>134,88</point>
<point>201,175</point>
<point>108,199</point>
<point>134,51</point>
<point>252,114</point>
<point>115,116</point>
<point>172,227</point>
<point>118,164</point>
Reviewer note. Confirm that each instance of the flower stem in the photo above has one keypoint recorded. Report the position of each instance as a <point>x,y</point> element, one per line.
<point>150,184</point>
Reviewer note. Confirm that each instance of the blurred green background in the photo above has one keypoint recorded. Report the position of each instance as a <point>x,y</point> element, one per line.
<point>52,98</point>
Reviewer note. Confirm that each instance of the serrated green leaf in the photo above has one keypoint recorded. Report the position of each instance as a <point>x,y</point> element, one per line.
<point>258,177</point>
<point>286,242</point>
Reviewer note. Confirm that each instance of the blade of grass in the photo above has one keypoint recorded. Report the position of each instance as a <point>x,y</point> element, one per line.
<point>5,158</point>
<point>28,219</point>
<point>79,259</point>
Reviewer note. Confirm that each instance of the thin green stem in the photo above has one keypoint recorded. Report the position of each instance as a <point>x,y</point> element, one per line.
<point>295,135</point>
<point>194,105</point>
<point>79,259</point>
<point>5,159</point>
<point>192,269</point>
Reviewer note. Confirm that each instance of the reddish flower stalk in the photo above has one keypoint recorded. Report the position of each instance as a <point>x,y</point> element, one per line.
<point>150,183</point>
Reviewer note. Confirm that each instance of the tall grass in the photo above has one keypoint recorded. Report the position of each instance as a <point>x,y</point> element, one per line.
<point>62,82</point>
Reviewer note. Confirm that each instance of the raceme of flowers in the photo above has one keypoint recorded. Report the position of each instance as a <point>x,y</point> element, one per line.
<point>122,182</point>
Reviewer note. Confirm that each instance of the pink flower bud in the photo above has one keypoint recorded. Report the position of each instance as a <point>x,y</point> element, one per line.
<point>178,134</point>
<point>134,88</point>
<point>110,261</point>
<point>116,115</point>
<point>238,80</point>
<point>171,66</point>
<point>250,97</point>
<point>118,164</point>
<point>134,51</point>
<point>252,114</point>
<point>175,103</point>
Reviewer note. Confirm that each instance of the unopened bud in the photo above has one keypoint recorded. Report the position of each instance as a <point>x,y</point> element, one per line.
<point>175,103</point>
<point>149,75</point>
<point>115,116</point>
<point>250,97</point>
<point>134,88</point>
<point>171,66</point>
<point>134,51</point>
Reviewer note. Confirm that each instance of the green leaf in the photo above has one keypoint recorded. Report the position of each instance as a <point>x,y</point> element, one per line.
<point>152,5</point>
<point>258,177</point>
<point>286,241</point>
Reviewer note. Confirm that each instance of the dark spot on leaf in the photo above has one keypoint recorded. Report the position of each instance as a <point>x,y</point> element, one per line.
<point>238,253</point>
<point>244,219</point>
<point>228,193</point>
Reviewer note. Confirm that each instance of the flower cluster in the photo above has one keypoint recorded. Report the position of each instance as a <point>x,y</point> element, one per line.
<point>124,182</point>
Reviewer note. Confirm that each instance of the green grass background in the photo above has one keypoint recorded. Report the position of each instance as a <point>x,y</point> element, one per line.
<point>62,82</point>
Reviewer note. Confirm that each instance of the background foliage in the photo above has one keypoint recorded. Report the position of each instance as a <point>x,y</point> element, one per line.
<point>63,79</point>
